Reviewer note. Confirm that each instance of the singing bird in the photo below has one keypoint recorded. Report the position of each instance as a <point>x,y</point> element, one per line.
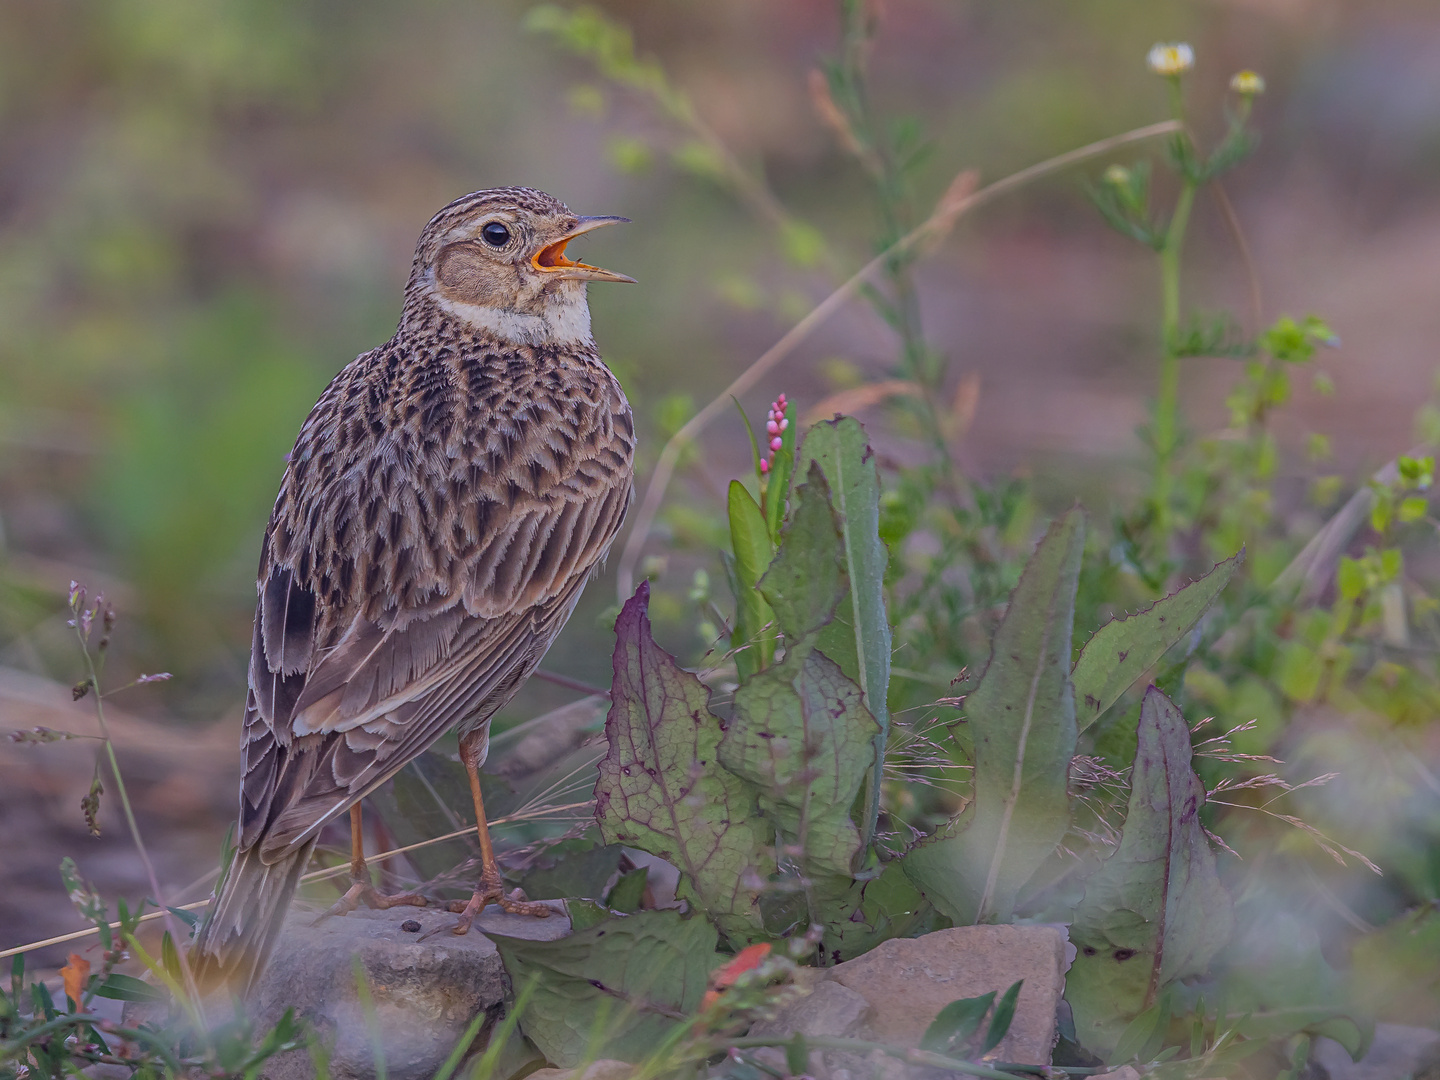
<point>446,501</point>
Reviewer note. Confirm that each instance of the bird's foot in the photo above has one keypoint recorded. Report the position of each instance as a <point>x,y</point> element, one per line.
<point>362,892</point>
<point>492,891</point>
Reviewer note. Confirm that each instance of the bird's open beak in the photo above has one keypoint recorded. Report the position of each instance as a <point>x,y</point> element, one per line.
<point>551,258</point>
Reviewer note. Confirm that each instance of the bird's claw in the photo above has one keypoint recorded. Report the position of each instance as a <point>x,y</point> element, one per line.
<point>362,892</point>
<point>491,892</point>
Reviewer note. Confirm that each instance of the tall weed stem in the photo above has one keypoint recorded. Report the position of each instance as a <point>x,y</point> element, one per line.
<point>1167,404</point>
<point>94,665</point>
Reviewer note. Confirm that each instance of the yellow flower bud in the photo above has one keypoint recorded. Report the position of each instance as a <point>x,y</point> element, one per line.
<point>1171,60</point>
<point>1247,83</point>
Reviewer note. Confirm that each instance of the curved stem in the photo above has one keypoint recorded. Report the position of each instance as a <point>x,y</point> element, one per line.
<point>939,222</point>
<point>1167,404</point>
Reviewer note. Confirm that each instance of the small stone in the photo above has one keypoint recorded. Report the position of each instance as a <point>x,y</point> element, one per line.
<point>604,1069</point>
<point>425,991</point>
<point>828,1009</point>
<point>909,980</point>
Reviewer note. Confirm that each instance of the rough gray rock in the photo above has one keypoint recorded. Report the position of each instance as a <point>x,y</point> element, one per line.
<point>425,990</point>
<point>1398,1053</point>
<point>604,1069</point>
<point>909,980</point>
<point>828,1009</point>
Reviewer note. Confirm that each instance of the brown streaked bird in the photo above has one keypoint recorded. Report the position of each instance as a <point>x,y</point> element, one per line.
<point>447,499</point>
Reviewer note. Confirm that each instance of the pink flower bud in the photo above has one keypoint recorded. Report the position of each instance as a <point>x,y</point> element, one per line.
<point>772,427</point>
<point>784,424</point>
<point>776,443</point>
<point>764,466</point>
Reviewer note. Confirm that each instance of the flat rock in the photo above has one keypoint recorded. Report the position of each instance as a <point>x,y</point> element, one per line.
<point>425,990</point>
<point>907,981</point>
<point>830,1008</point>
<point>1397,1052</point>
<point>604,1069</point>
<point>827,1009</point>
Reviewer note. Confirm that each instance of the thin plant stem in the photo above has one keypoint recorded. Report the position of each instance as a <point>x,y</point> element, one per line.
<point>918,362</point>
<point>94,669</point>
<point>1252,274</point>
<point>313,875</point>
<point>1167,403</point>
<point>931,229</point>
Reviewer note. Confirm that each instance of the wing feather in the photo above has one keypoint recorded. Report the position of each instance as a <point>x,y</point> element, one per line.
<point>453,580</point>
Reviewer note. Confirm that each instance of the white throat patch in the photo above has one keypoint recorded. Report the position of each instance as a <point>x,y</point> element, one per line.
<point>564,322</point>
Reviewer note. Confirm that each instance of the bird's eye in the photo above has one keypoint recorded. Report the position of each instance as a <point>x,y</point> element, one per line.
<point>495,234</point>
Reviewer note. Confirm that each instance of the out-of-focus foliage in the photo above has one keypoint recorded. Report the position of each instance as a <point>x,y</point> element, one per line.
<point>206,209</point>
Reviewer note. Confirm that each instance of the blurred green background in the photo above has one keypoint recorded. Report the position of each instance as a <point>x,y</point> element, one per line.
<point>207,208</point>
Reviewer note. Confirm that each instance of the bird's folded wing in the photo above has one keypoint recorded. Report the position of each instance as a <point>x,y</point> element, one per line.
<point>332,715</point>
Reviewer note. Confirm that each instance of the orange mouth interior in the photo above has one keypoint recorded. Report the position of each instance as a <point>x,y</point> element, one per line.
<point>552,257</point>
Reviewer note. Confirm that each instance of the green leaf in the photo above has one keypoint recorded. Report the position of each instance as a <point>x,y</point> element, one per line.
<point>1004,1016</point>
<point>170,956</point>
<point>1350,578</point>
<point>629,154</point>
<point>120,987</point>
<point>865,913</point>
<point>797,1055</point>
<point>189,918</point>
<point>956,1023</point>
<point>1124,649</point>
<point>803,736</point>
<point>803,243</point>
<point>801,731</point>
<point>662,788</point>
<point>627,980</point>
<point>754,637</point>
<point>576,874</point>
<point>755,454</point>
<point>699,158</point>
<point>1142,1036</point>
<point>807,582</point>
<point>1022,721</point>
<point>1413,508</point>
<point>1299,671</point>
<point>585,914</point>
<point>629,890</point>
<point>858,638</point>
<point>1155,911</point>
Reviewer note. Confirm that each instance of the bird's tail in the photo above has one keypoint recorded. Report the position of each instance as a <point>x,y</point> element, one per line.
<point>245,919</point>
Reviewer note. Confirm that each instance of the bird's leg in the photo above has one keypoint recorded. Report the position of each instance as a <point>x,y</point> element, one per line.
<point>361,891</point>
<point>492,887</point>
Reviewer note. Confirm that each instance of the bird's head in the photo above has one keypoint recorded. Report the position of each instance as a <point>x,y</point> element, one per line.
<point>496,261</point>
